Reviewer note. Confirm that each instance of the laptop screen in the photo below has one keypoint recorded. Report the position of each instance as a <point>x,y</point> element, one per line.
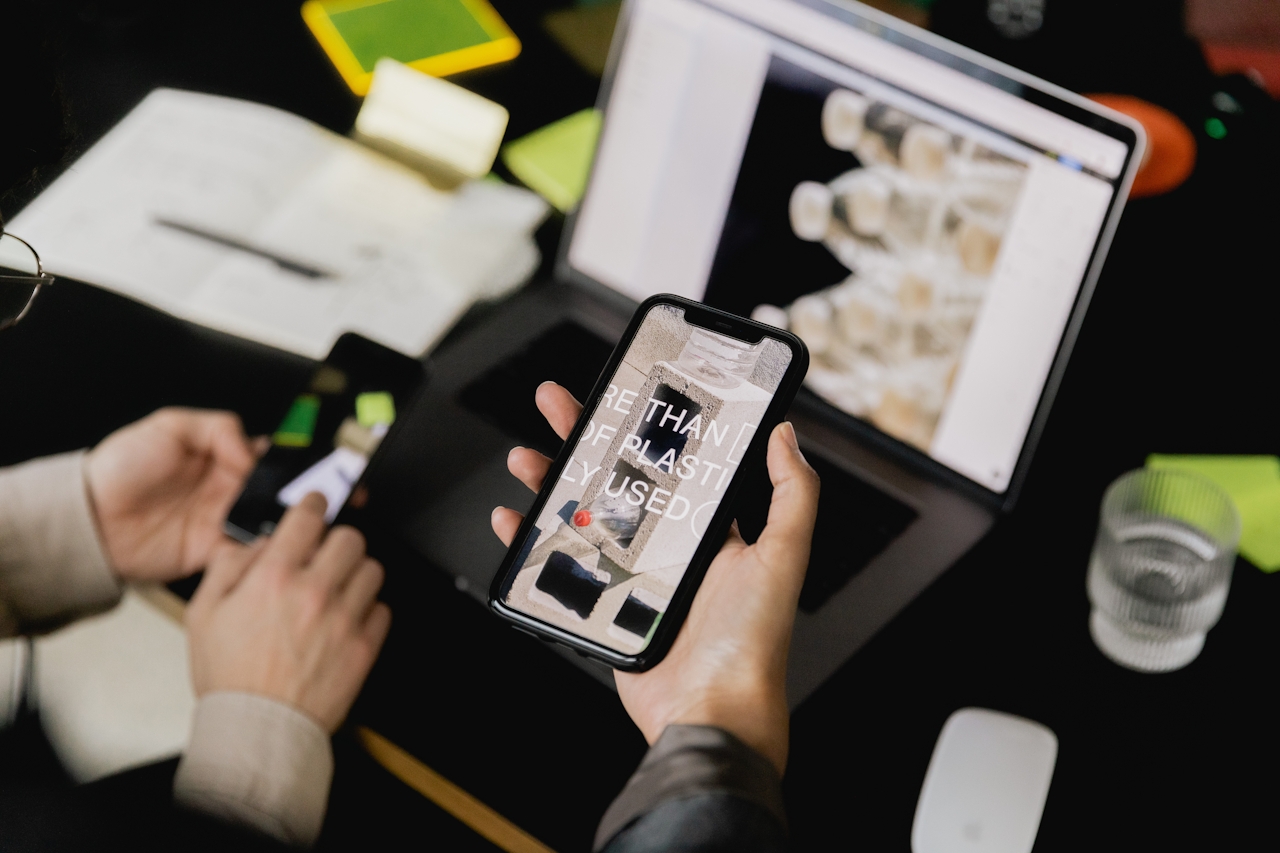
<point>922,218</point>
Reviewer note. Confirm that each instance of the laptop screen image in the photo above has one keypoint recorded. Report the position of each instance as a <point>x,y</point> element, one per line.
<point>925,221</point>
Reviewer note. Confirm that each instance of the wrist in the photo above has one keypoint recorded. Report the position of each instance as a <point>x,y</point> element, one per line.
<point>759,719</point>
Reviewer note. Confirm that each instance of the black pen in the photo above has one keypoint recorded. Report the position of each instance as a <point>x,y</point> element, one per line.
<point>232,243</point>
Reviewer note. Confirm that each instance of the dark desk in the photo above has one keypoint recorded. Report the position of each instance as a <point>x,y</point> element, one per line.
<point>1175,356</point>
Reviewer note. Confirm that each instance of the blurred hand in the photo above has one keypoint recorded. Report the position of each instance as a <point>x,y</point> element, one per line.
<point>728,665</point>
<point>161,488</point>
<point>294,617</point>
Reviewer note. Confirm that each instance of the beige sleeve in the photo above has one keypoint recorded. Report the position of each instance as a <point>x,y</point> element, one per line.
<point>257,762</point>
<point>52,564</point>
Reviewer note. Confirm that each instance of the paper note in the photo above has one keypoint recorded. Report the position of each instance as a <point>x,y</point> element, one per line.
<point>437,37</point>
<point>333,476</point>
<point>401,261</point>
<point>375,408</point>
<point>1235,474</point>
<point>554,161</point>
<point>299,424</point>
<point>432,124</point>
<point>1253,482</point>
<point>585,32</point>
<point>1260,523</point>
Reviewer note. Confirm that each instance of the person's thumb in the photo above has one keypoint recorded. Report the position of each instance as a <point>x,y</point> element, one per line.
<point>784,543</point>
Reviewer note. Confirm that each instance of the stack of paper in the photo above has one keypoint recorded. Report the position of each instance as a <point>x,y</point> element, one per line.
<point>255,221</point>
<point>1253,482</point>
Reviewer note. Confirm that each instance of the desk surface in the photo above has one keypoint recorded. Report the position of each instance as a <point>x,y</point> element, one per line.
<point>1176,356</point>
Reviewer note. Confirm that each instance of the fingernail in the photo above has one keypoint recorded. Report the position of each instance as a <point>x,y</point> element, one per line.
<point>789,433</point>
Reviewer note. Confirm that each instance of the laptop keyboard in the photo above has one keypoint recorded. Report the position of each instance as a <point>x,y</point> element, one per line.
<point>567,353</point>
<point>856,522</point>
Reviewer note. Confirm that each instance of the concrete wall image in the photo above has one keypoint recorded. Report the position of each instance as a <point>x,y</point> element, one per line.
<point>645,479</point>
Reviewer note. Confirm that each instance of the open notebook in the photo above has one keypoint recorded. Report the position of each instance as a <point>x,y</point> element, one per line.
<point>251,220</point>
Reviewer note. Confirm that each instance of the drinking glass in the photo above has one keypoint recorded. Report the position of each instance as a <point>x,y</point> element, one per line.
<point>1161,567</point>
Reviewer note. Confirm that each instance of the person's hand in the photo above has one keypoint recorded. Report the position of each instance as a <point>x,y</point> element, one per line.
<point>294,617</point>
<point>727,667</point>
<point>161,488</point>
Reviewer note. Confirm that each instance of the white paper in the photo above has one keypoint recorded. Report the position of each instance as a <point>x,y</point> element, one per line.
<point>334,476</point>
<point>405,259</point>
<point>441,121</point>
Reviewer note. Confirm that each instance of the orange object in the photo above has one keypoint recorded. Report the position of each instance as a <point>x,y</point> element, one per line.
<point>1170,157</point>
<point>1261,64</point>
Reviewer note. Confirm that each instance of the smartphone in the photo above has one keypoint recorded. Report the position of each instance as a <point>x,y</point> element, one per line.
<point>329,436</point>
<point>640,499</point>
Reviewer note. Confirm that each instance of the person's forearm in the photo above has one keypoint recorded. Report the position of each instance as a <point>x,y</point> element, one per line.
<point>259,763</point>
<point>702,786</point>
<point>52,564</point>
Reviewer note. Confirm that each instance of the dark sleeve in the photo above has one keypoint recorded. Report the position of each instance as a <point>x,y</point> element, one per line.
<point>699,789</point>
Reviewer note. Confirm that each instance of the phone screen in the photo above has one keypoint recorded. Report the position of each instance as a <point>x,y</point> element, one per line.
<point>329,434</point>
<point>630,508</point>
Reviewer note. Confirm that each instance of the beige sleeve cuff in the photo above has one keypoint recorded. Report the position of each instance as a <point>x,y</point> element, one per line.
<point>52,565</point>
<point>259,763</point>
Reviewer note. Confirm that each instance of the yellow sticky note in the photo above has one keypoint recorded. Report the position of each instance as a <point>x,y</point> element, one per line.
<point>554,161</point>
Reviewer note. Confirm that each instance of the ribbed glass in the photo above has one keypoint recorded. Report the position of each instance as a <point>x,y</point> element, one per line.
<point>1161,567</point>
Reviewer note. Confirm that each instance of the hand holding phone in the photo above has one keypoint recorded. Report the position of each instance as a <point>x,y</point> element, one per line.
<point>640,499</point>
<point>727,667</point>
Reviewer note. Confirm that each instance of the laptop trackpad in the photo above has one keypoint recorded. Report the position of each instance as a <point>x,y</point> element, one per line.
<point>856,521</point>
<point>567,353</point>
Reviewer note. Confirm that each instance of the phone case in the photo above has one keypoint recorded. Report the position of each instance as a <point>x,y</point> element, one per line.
<point>673,617</point>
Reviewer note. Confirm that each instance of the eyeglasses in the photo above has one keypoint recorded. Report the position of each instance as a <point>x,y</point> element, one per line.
<point>21,278</point>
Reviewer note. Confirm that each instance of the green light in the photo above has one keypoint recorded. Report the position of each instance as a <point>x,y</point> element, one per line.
<point>1215,128</point>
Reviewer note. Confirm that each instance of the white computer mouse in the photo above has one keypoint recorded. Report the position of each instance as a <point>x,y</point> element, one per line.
<point>986,785</point>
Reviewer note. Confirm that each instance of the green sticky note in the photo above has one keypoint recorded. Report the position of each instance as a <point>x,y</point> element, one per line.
<point>1235,474</point>
<point>299,424</point>
<point>407,30</point>
<point>375,408</point>
<point>1253,482</point>
<point>437,37</point>
<point>554,161</point>
<point>1260,527</point>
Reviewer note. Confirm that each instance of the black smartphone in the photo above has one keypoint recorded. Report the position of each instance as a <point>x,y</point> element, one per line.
<point>640,499</point>
<point>329,436</point>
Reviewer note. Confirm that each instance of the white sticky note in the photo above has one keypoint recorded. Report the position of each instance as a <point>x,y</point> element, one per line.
<point>430,123</point>
<point>334,476</point>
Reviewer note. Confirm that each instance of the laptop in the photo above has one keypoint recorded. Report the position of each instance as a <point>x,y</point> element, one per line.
<point>930,221</point>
